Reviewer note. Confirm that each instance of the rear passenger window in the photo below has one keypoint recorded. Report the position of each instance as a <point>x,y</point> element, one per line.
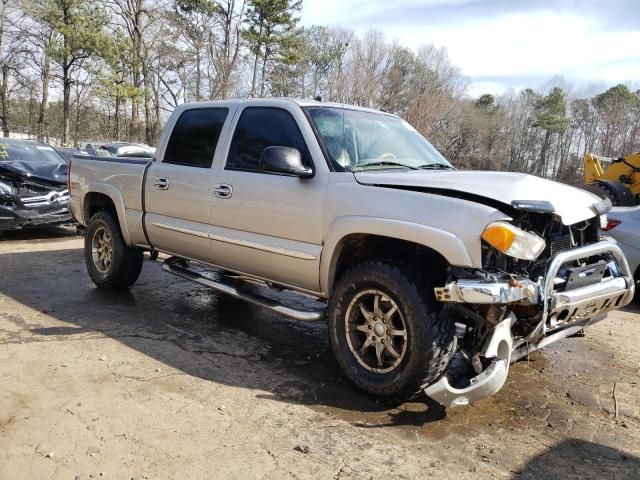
<point>259,128</point>
<point>195,136</point>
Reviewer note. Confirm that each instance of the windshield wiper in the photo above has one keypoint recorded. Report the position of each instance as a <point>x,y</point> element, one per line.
<point>382,163</point>
<point>436,166</point>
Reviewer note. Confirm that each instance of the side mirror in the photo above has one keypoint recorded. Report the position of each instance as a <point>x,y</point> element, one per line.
<point>284,160</point>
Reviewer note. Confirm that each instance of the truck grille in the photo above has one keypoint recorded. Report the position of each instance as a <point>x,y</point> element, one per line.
<point>56,199</point>
<point>560,243</point>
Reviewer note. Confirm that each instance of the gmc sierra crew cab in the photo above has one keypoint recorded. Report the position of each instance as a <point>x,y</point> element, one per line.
<point>431,279</point>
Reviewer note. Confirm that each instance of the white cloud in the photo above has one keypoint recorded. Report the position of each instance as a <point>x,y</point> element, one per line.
<point>533,44</point>
<point>497,51</point>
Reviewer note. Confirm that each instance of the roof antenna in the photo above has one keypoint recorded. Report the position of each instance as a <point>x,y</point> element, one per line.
<point>318,98</point>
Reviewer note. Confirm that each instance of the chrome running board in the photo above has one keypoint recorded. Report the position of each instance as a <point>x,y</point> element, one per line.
<point>179,267</point>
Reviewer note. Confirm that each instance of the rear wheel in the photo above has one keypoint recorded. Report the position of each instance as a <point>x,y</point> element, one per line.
<point>386,331</point>
<point>111,264</point>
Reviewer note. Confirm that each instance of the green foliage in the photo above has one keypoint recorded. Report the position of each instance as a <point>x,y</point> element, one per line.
<point>192,17</point>
<point>616,99</point>
<point>397,92</point>
<point>271,22</point>
<point>550,111</point>
<point>79,27</point>
<point>115,80</point>
<point>486,103</point>
<point>271,34</point>
<point>194,7</point>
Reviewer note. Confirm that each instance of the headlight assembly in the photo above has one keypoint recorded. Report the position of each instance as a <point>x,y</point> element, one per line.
<point>513,241</point>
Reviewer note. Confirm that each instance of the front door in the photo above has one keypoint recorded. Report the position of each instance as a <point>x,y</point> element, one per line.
<point>266,224</point>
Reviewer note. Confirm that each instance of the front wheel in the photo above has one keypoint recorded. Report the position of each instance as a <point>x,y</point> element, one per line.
<point>386,332</point>
<point>111,264</point>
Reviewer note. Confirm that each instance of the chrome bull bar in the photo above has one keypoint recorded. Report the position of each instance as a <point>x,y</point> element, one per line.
<point>558,308</point>
<point>561,308</point>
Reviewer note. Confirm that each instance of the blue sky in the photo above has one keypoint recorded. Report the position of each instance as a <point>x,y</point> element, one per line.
<point>504,44</point>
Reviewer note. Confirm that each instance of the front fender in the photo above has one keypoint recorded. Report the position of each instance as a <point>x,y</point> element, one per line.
<point>447,244</point>
<point>118,201</point>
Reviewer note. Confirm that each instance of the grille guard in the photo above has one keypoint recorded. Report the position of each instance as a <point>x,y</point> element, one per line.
<point>557,308</point>
<point>561,308</point>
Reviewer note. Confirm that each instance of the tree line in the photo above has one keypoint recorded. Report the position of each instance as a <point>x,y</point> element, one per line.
<point>78,70</point>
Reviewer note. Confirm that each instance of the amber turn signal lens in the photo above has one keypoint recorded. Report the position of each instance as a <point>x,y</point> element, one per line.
<point>499,236</point>
<point>513,241</point>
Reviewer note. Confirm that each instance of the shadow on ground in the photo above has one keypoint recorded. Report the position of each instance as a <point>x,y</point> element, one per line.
<point>44,233</point>
<point>579,459</point>
<point>180,324</point>
<point>162,312</point>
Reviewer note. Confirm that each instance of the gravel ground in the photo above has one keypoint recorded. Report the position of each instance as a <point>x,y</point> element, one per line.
<point>169,380</point>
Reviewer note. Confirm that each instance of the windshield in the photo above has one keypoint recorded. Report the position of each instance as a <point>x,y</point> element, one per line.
<point>358,140</point>
<point>28,152</point>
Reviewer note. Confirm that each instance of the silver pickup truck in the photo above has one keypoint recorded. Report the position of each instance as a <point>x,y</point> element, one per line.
<point>430,279</point>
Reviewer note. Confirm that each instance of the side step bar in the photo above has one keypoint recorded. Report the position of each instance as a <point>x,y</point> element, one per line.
<point>176,266</point>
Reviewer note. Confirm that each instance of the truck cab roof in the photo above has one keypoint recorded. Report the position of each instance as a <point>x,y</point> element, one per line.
<point>273,102</point>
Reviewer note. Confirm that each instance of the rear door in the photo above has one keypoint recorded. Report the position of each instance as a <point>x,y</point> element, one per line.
<point>269,225</point>
<point>178,198</point>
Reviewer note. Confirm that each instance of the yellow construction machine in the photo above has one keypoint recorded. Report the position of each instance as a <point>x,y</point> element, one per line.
<point>615,178</point>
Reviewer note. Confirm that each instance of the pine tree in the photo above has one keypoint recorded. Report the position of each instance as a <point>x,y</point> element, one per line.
<point>551,117</point>
<point>78,35</point>
<point>271,25</point>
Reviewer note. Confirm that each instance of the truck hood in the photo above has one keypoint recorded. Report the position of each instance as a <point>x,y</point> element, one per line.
<point>515,190</point>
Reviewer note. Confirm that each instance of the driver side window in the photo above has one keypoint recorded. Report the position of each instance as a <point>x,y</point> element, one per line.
<point>259,128</point>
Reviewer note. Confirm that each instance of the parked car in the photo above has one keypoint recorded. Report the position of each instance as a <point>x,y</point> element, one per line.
<point>623,224</point>
<point>33,185</point>
<point>433,279</point>
<point>118,149</point>
<point>69,152</point>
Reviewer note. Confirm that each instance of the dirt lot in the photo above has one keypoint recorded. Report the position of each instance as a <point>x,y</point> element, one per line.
<point>170,380</point>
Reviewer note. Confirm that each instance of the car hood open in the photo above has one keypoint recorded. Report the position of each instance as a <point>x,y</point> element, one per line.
<point>48,173</point>
<point>516,190</point>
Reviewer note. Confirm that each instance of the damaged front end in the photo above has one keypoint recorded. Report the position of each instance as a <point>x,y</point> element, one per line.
<point>514,306</point>
<point>33,185</point>
<point>26,203</point>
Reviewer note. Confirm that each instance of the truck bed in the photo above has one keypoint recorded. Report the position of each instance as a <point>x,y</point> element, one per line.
<point>122,179</point>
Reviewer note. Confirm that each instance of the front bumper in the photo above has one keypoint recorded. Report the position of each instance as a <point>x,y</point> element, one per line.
<point>498,349</point>
<point>563,313</point>
<point>15,218</point>
<point>48,208</point>
<point>558,308</point>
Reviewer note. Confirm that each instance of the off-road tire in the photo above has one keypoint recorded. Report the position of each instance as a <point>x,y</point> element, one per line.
<point>126,262</point>
<point>431,339</point>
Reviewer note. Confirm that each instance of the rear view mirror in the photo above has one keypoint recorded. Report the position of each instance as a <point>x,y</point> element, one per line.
<point>284,160</point>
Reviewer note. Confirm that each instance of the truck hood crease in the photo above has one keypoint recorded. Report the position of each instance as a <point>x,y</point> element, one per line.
<point>496,189</point>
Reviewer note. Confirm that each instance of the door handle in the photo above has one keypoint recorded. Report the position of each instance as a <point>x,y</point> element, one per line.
<point>161,183</point>
<point>223,190</point>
